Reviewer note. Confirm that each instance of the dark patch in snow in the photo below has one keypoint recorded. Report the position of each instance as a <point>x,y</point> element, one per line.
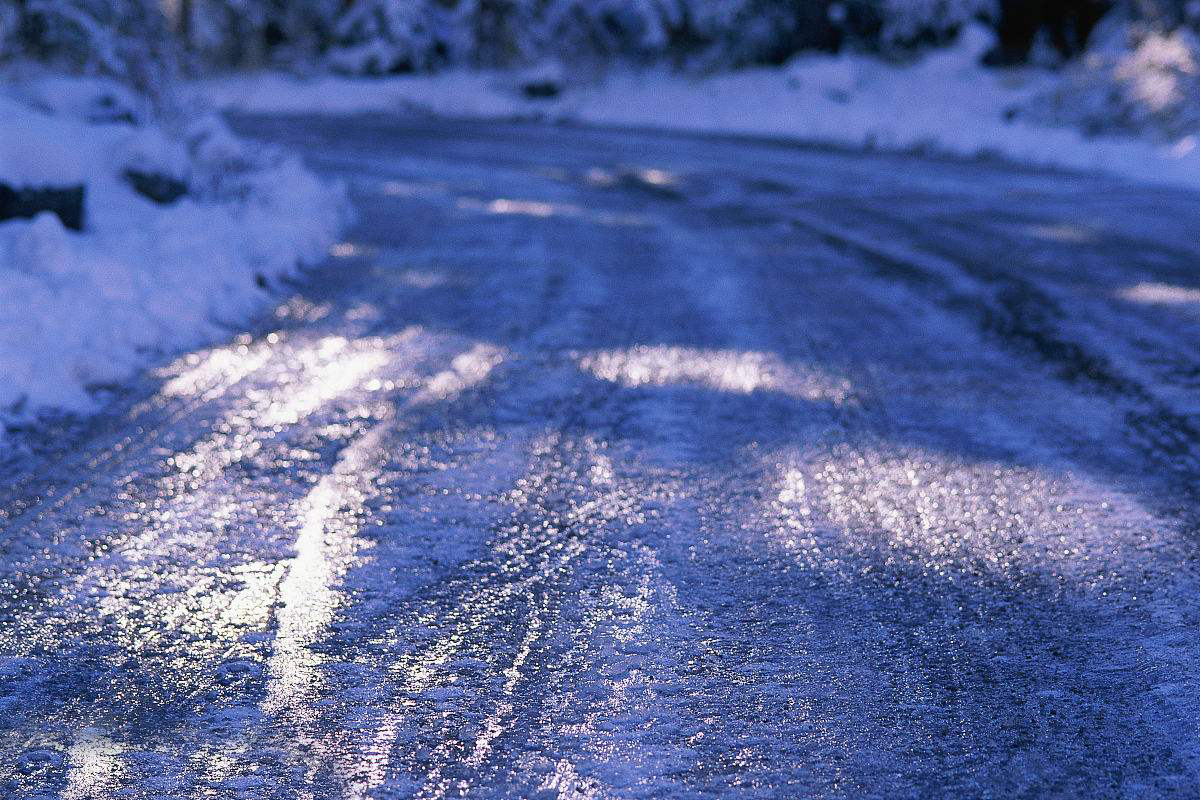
<point>541,90</point>
<point>26,202</point>
<point>162,189</point>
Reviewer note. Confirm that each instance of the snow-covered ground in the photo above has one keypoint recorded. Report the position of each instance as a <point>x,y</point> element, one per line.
<point>945,102</point>
<point>703,493</point>
<point>78,309</point>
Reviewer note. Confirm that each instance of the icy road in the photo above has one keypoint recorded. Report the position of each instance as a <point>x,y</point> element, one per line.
<point>614,465</point>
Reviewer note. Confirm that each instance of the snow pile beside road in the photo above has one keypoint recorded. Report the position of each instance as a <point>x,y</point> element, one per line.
<point>143,278</point>
<point>485,94</point>
<point>944,102</point>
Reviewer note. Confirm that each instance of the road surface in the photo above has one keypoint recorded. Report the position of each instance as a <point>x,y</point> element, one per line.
<point>619,465</point>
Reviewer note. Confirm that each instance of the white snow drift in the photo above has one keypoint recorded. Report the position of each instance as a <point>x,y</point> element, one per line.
<point>943,102</point>
<point>79,309</point>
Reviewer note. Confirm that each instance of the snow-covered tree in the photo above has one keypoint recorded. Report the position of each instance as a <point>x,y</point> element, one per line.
<point>739,32</point>
<point>404,35</point>
<point>250,32</point>
<point>134,38</point>
<point>905,22</point>
<point>382,36</point>
<point>1141,77</point>
<point>10,22</point>
<point>123,39</point>
<point>637,28</point>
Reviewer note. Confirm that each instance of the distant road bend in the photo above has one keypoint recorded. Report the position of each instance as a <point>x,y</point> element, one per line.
<point>603,464</point>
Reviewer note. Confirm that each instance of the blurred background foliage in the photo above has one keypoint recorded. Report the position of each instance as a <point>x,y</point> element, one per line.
<point>145,41</point>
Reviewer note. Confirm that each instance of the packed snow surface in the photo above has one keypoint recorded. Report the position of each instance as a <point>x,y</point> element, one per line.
<point>81,309</point>
<point>944,102</point>
<point>614,465</point>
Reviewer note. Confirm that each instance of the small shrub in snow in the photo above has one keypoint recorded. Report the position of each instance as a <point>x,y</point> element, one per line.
<point>1136,80</point>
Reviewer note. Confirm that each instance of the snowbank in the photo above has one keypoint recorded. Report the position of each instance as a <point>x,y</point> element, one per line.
<point>945,102</point>
<point>141,279</point>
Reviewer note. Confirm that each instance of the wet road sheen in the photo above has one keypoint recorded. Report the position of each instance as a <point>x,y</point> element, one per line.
<point>614,465</point>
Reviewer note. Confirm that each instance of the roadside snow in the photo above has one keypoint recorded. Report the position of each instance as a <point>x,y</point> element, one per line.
<point>1133,80</point>
<point>84,308</point>
<point>943,103</point>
